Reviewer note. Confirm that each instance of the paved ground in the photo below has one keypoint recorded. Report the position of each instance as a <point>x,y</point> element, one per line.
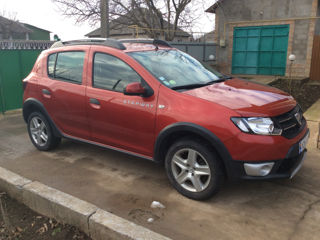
<point>125,185</point>
<point>313,113</point>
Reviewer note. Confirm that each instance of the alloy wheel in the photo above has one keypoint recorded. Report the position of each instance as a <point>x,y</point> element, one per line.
<point>191,170</point>
<point>38,130</point>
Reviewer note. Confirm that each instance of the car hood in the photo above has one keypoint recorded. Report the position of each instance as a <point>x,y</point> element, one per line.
<point>246,98</point>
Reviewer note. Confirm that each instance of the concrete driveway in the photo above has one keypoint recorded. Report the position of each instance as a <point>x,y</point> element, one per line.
<point>126,186</point>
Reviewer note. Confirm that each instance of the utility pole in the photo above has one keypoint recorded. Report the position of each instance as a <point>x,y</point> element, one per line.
<point>104,8</point>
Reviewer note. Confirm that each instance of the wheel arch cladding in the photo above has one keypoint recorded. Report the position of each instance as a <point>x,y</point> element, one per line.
<point>179,130</point>
<point>32,105</point>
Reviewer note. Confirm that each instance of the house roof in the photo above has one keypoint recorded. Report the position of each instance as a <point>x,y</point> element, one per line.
<point>214,7</point>
<point>31,26</point>
<point>115,29</point>
<point>120,25</point>
<point>7,25</point>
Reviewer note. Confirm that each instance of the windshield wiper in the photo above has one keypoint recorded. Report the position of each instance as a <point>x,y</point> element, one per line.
<point>198,85</point>
<point>195,85</point>
<point>190,86</point>
<point>224,77</point>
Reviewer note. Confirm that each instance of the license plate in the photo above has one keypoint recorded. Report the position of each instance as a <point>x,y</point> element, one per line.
<point>303,143</point>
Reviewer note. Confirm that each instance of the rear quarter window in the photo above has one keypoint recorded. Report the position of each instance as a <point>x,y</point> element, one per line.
<point>51,63</point>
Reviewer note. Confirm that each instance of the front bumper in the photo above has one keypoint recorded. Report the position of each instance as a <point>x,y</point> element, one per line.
<point>282,168</point>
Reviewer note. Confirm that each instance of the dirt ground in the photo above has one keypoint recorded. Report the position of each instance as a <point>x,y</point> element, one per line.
<point>303,91</point>
<point>17,222</point>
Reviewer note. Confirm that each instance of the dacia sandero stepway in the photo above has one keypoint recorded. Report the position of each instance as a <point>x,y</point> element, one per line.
<point>144,97</point>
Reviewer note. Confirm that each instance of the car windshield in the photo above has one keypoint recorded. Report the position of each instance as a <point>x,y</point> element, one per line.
<point>176,69</point>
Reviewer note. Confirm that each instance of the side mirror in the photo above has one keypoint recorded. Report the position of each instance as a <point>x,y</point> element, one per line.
<point>136,89</point>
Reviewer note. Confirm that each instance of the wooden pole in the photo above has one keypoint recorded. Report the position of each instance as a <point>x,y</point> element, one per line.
<point>104,7</point>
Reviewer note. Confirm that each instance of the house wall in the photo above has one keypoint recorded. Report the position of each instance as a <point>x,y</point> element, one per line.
<point>17,36</point>
<point>12,36</point>
<point>38,34</point>
<point>123,36</point>
<point>236,13</point>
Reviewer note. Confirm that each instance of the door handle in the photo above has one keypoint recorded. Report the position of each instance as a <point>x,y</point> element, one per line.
<point>94,101</point>
<point>46,92</point>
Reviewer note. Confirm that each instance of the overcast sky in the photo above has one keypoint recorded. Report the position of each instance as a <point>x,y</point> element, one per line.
<point>44,14</point>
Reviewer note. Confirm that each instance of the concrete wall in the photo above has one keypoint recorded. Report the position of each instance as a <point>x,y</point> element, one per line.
<point>238,13</point>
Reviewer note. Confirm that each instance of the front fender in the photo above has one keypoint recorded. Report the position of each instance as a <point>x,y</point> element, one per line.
<point>195,129</point>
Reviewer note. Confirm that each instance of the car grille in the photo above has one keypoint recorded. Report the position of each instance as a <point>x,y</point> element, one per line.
<point>289,123</point>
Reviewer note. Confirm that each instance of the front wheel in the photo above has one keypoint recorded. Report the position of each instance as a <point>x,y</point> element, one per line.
<point>193,169</point>
<point>40,132</point>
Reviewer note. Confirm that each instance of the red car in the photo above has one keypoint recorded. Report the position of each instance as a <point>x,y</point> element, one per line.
<point>146,98</point>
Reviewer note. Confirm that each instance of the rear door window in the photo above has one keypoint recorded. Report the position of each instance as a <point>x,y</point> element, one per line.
<point>66,66</point>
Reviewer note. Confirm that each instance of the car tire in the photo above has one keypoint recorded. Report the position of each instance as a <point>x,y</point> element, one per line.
<point>40,132</point>
<point>194,169</point>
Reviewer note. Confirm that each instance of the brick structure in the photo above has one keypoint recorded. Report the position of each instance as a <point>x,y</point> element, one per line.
<point>300,15</point>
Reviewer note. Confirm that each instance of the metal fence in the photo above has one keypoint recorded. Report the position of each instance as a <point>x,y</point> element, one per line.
<point>16,61</point>
<point>24,44</point>
<point>200,45</point>
<point>199,50</point>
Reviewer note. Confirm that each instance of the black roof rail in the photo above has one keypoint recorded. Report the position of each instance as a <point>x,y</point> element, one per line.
<point>146,40</point>
<point>109,42</point>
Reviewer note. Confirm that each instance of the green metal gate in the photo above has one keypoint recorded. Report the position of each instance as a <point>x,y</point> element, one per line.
<point>14,66</point>
<point>17,58</point>
<point>260,50</point>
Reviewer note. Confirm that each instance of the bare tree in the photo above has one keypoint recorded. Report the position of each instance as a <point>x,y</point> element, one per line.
<point>156,17</point>
<point>8,14</point>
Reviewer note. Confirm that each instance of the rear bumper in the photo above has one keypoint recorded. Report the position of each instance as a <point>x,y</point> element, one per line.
<point>282,168</point>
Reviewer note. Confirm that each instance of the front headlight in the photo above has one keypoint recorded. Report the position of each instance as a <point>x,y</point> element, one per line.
<point>257,125</point>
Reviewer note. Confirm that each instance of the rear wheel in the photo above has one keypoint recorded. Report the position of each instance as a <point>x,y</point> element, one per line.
<point>40,132</point>
<point>193,169</point>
